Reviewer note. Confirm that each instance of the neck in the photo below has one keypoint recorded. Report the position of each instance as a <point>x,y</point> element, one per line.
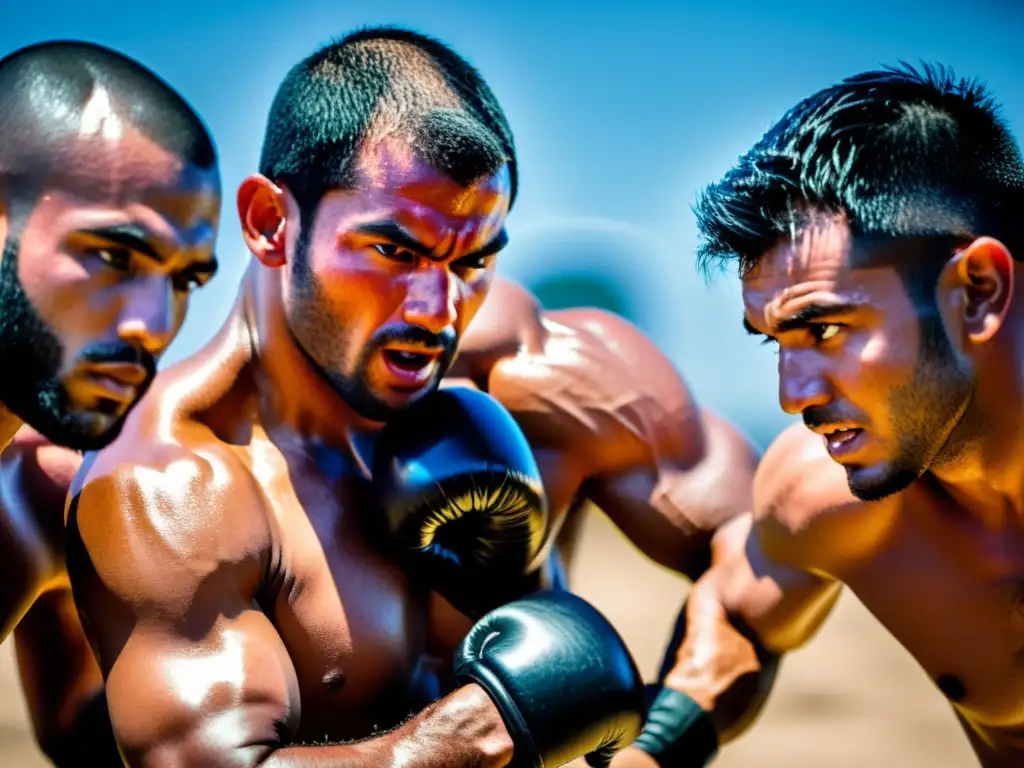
<point>293,394</point>
<point>9,426</point>
<point>985,466</point>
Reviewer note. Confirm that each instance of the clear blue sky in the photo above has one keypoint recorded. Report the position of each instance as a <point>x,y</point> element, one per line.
<point>621,111</point>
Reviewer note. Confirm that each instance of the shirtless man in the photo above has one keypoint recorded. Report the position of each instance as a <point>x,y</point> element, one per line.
<point>221,549</point>
<point>513,341</point>
<point>875,228</point>
<point>109,201</point>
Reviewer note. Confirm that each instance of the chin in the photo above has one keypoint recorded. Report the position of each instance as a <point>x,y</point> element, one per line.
<point>879,481</point>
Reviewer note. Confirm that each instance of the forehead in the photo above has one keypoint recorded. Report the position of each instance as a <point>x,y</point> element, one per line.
<point>824,261</point>
<point>108,160</point>
<point>390,171</point>
<point>129,173</point>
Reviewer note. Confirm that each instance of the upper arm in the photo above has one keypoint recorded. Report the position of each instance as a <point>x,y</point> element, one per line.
<point>34,481</point>
<point>166,562</point>
<point>666,472</point>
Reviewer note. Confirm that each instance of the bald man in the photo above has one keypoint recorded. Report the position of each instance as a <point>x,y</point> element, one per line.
<point>109,203</point>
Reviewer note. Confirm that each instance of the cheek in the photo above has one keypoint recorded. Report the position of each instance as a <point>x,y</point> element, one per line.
<point>67,296</point>
<point>876,363</point>
<point>471,298</point>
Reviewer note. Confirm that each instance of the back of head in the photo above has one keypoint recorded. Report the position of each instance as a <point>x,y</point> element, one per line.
<point>373,84</point>
<point>53,92</point>
<point>896,152</point>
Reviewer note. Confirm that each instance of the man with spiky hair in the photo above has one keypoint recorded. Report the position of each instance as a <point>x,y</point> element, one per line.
<point>878,233</point>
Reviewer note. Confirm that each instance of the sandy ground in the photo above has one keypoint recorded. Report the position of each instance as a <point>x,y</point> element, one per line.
<point>852,699</point>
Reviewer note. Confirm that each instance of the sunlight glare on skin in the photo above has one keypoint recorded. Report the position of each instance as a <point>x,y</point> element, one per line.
<point>197,675</point>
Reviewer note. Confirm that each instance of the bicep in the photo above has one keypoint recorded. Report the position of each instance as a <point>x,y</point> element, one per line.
<point>227,698</point>
<point>165,580</point>
<point>671,503</point>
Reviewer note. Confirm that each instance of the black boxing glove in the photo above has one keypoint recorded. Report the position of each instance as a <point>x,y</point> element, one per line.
<point>462,499</point>
<point>678,732</point>
<point>561,677</point>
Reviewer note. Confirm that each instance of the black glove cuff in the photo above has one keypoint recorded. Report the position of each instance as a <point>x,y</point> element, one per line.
<point>678,733</point>
<point>525,753</point>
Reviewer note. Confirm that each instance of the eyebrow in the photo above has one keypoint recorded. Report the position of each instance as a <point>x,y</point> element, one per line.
<point>132,236</point>
<point>805,316</point>
<point>137,237</point>
<point>400,236</point>
<point>206,267</point>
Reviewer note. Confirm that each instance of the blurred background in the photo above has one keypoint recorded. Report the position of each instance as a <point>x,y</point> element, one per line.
<point>622,112</point>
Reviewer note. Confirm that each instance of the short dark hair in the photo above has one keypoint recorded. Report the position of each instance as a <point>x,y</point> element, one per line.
<point>45,88</point>
<point>371,83</point>
<point>898,152</point>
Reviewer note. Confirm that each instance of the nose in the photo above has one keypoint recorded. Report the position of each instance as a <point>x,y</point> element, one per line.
<point>430,299</point>
<point>802,382</point>
<point>148,316</point>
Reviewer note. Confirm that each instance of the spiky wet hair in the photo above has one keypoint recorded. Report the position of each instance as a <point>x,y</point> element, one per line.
<point>899,152</point>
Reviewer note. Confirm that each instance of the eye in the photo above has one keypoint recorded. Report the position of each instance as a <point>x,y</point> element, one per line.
<point>185,282</point>
<point>395,253</point>
<point>118,258</point>
<point>825,331</point>
<point>468,263</point>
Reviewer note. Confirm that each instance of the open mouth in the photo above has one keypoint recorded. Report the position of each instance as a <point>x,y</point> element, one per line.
<point>842,440</point>
<point>408,361</point>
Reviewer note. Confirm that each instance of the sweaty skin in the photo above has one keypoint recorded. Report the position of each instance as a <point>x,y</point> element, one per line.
<point>233,598</point>
<point>246,562</point>
<point>655,462</point>
<point>909,493</point>
<point>947,583</point>
<point>612,422</point>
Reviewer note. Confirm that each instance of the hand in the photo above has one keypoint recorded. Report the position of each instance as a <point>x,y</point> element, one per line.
<point>561,676</point>
<point>462,498</point>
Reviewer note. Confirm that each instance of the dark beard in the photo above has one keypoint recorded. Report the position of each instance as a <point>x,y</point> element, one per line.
<point>925,412</point>
<point>326,346</point>
<point>31,356</point>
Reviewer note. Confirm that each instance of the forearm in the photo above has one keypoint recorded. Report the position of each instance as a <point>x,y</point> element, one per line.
<point>427,740</point>
<point>722,666</point>
<point>87,742</point>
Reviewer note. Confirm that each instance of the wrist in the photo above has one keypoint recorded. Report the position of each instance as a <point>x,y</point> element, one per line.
<point>678,731</point>
<point>492,742</point>
<point>701,692</point>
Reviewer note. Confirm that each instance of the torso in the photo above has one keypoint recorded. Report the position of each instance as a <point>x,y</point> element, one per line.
<point>949,586</point>
<point>365,642</point>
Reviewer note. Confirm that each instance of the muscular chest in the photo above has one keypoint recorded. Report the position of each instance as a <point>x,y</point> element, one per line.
<point>951,590</point>
<point>353,625</point>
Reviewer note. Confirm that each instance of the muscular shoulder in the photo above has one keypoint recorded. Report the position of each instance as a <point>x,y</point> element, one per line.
<point>600,384</point>
<point>166,505</point>
<point>805,513</point>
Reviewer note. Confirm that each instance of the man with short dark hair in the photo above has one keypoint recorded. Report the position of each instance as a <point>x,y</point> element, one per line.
<point>282,557</point>
<point>109,203</point>
<point>877,230</point>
